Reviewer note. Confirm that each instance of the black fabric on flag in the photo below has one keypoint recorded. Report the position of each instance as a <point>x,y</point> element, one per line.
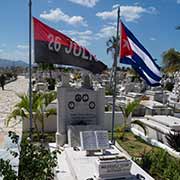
<point>53,47</point>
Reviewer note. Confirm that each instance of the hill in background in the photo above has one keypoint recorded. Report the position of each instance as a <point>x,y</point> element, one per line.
<point>10,63</point>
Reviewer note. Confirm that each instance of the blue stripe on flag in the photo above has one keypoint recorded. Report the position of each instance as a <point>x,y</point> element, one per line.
<point>140,72</point>
<point>138,69</point>
<point>141,64</point>
<point>133,38</point>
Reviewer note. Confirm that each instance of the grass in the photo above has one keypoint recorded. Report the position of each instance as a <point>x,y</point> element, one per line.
<point>134,145</point>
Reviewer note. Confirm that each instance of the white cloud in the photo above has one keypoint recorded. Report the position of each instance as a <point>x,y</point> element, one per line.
<point>152,39</point>
<point>87,3</point>
<point>106,32</point>
<point>57,15</point>
<point>107,14</point>
<point>83,38</point>
<point>15,55</point>
<point>130,13</point>
<point>20,46</point>
<point>1,50</point>
<point>115,6</point>
<point>83,33</point>
<point>178,1</point>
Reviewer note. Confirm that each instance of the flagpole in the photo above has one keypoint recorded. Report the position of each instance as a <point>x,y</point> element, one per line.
<point>30,70</point>
<point>114,81</point>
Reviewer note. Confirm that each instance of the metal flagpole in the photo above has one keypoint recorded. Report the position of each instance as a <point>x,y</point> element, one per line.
<point>114,81</point>
<point>30,70</point>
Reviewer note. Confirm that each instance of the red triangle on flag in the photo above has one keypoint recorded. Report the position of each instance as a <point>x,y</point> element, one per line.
<point>126,49</point>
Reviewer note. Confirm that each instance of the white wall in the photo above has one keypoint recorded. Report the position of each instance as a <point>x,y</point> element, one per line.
<point>108,119</point>
<point>50,124</point>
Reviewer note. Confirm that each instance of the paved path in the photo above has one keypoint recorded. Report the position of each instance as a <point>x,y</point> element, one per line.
<point>8,98</point>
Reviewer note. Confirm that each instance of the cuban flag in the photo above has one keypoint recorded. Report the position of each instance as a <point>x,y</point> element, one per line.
<point>134,54</point>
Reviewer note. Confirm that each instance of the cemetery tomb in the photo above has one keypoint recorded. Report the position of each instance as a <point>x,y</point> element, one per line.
<point>78,106</point>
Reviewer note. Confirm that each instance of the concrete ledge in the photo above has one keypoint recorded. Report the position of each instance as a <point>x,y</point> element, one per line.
<point>156,143</point>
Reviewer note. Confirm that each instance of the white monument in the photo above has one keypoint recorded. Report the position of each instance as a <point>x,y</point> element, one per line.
<point>82,106</point>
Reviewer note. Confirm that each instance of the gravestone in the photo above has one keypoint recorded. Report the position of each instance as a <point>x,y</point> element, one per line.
<point>94,140</point>
<point>102,139</point>
<point>78,106</point>
<point>74,133</point>
<point>88,140</point>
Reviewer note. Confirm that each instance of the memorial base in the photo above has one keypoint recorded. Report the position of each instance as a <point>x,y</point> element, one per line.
<point>113,167</point>
<point>60,139</point>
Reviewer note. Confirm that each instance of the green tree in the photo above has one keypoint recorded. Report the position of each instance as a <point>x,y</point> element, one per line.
<point>40,110</point>
<point>37,162</point>
<point>127,114</point>
<point>171,60</point>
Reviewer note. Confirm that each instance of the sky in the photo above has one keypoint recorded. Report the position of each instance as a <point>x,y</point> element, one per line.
<point>91,23</point>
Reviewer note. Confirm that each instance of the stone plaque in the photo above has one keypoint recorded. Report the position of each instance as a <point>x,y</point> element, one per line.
<point>88,140</point>
<point>82,119</point>
<point>94,140</point>
<point>102,139</point>
<point>114,168</point>
<point>81,108</point>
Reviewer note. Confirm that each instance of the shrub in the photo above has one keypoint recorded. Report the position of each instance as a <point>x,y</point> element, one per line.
<point>6,170</point>
<point>160,165</point>
<point>36,162</point>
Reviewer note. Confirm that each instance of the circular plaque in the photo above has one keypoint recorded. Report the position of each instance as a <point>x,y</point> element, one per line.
<point>92,105</point>
<point>78,97</point>
<point>85,97</point>
<point>71,105</point>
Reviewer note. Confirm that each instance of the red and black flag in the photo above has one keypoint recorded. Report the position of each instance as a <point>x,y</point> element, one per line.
<point>53,47</point>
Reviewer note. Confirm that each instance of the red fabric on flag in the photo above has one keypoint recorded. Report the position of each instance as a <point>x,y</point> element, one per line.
<point>53,47</point>
<point>42,32</point>
<point>126,49</point>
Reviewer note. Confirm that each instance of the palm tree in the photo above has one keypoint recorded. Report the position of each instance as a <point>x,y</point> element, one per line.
<point>171,60</point>
<point>112,44</point>
<point>127,114</point>
<point>40,102</point>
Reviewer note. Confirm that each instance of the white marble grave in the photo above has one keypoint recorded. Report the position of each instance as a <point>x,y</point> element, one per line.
<point>80,106</point>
